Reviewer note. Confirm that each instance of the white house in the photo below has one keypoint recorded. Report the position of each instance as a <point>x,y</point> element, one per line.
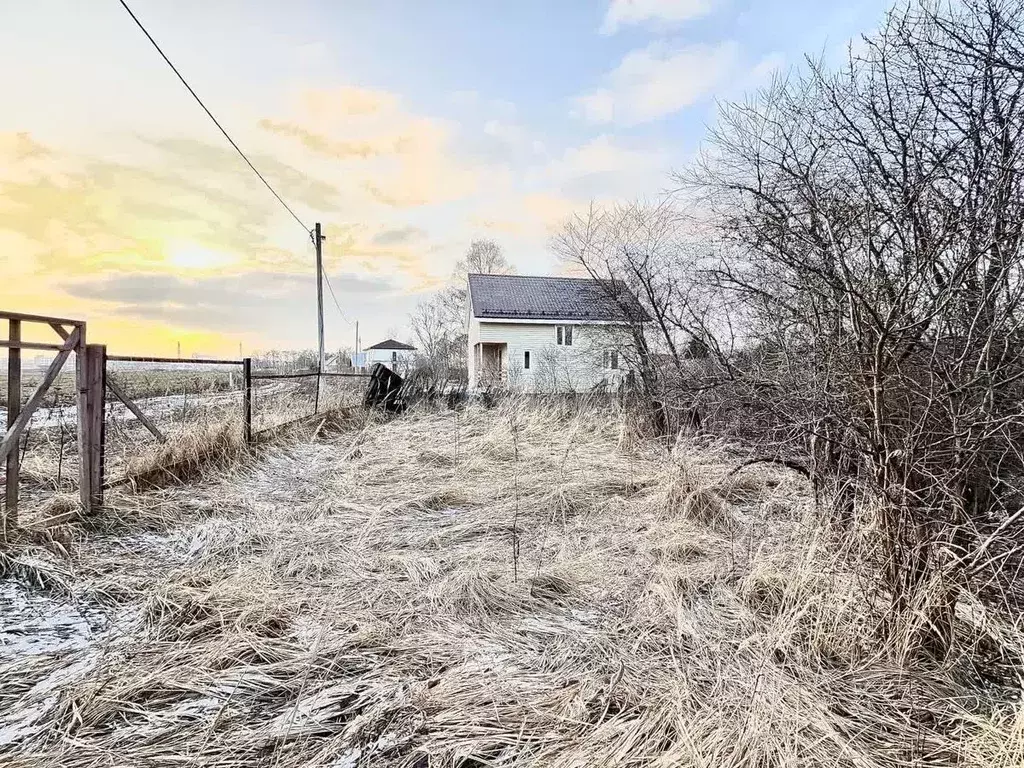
<point>548,334</point>
<point>394,354</point>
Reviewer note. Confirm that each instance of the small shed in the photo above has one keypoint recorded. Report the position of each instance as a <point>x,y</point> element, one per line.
<point>396,355</point>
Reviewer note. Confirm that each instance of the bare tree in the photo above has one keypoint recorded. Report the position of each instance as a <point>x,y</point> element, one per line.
<point>439,321</point>
<point>648,252</point>
<point>484,257</point>
<point>870,221</point>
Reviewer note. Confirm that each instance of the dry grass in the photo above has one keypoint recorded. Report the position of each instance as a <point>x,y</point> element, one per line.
<point>188,455</point>
<point>350,601</point>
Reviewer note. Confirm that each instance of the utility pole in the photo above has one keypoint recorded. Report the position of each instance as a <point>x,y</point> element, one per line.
<point>318,240</point>
<point>357,342</point>
<point>179,350</point>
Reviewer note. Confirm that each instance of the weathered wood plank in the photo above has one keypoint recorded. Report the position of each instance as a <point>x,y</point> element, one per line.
<point>83,459</point>
<point>61,331</point>
<point>10,519</point>
<point>119,393</point>
<point>29,344</point>
<point>10,440</point>
<point>247,401</point>
<point>5,315</point>
<point>94,423</point>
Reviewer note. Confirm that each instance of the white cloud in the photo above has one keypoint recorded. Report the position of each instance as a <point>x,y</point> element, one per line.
<point>509,132</point>
<point>604,169</point>
<point>656,81</point>
<point>603,155</point>
<point>765,70</point>
<point>513,136</point>
<point>473,100</point>
<point>623,12</point>
<point>597,106</point>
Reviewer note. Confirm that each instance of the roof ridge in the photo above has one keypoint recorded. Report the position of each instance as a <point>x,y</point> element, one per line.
<point>539,277</point>
<point>389,340</point>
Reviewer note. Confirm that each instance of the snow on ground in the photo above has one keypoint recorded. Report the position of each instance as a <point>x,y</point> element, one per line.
<point>38,623</point>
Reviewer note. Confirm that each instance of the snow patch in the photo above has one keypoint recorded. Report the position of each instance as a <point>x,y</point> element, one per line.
<point>40,623</point>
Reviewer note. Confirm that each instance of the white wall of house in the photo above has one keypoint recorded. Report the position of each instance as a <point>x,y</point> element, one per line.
<point>553,367</point>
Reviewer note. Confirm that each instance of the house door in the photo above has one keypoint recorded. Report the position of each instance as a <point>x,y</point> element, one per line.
<point>492,364</point>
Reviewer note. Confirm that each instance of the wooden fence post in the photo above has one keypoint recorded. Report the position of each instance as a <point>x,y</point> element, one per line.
<point>10,519</point>
<point>247,400</point>
<point>91,423</point>
<point>81,430</point>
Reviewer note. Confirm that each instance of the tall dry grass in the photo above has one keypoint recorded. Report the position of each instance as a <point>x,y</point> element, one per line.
<point>529,586</point>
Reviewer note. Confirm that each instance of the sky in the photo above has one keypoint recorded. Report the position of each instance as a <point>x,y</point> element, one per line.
<point>407,128</point>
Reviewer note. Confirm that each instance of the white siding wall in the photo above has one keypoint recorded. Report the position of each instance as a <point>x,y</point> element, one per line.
<point>553,367</point>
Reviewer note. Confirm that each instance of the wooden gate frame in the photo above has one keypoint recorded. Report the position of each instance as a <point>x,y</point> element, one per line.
<point>90,374</point>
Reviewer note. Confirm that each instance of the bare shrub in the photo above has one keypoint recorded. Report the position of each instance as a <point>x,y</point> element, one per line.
<point>871,221</point>
<point>843,283</point>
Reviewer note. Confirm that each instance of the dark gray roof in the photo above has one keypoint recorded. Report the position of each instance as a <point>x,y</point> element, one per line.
<point>552,298</point>
<point>391,344</point>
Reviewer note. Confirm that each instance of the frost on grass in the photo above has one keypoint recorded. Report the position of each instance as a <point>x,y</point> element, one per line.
<point>45,643</point>
<point>394,596</point>
<point>36,622</point>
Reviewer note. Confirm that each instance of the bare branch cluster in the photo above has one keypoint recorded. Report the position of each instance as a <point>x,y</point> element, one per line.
<point>439,321</point>
<point>847,279</point>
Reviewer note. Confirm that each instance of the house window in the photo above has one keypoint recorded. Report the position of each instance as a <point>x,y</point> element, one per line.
<point>611,359</point>
<point>526,360</point>
<point>563,334</point>
<point>394,357</point>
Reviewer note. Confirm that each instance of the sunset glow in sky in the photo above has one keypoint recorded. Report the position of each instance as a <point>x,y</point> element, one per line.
<point>407,127</point>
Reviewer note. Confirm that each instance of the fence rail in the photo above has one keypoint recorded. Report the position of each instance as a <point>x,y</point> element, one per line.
<point>251,376</point>
<point>170,360</point>
<point>310,374</point>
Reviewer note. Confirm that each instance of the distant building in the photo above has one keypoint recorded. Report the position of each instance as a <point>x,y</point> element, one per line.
<point>548,334</point>
<point>394,354</point>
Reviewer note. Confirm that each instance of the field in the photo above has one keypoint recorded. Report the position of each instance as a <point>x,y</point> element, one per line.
<point>190,406</point>
<point>521,586</point>
<point>139,381</point>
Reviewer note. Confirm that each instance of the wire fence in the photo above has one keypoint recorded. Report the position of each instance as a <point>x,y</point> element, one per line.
<point>48,448</point>
<point>281,398</point>
<point>162,413</point>
<point>176,408</point>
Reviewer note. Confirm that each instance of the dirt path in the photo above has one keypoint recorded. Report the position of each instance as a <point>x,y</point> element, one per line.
<point>492,588</point>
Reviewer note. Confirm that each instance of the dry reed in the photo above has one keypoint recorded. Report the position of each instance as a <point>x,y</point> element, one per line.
<point>350,601</point>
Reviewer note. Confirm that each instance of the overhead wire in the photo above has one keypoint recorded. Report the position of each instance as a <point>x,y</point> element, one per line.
<point>210,115</point>
<point>236,147</point>
<point>335,298</point>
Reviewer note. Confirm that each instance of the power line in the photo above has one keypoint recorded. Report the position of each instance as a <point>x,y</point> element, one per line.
<point>236,147</point>
<point>335,298</point>
<point>330,287</point>
<point>210,114</point>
